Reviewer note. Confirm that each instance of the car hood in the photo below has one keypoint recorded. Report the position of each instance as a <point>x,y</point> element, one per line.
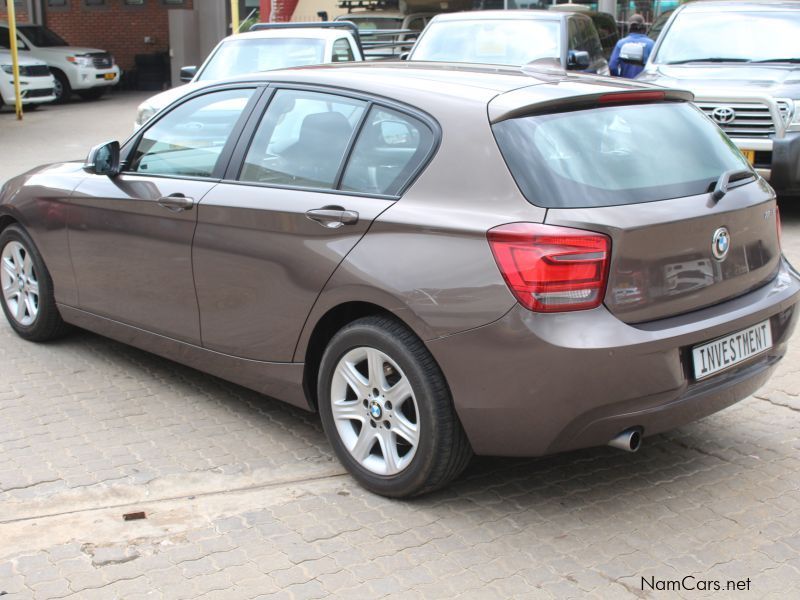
<point>773,80</point>
<point>166,97</point>
<point>5,59</point>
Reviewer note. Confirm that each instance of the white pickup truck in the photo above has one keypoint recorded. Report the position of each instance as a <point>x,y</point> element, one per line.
<point>269,46</point>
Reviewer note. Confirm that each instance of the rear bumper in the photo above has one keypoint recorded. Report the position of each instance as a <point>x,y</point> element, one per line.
<point>533,384</point>
<point>777,160</point>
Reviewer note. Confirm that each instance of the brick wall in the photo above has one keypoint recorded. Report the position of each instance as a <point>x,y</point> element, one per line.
<point>118,28</point>
<point>21,10</point>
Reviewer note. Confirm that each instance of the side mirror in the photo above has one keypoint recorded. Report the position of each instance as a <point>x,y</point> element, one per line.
<point>404,55</point>
<point>188,73</point>
<point>103,160</point>
<point>578,60</point>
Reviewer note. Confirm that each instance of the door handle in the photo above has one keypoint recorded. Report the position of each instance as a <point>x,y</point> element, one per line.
<point>176,202</point>
<point>333,217</point>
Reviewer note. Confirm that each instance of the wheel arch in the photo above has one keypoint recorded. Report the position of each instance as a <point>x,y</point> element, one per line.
<point>323,331</point>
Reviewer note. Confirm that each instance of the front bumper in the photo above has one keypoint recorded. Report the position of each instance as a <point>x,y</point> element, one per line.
<point>777,161</point>
<point>34,90</point>
<point>532,384</point>
<point>84,78</point>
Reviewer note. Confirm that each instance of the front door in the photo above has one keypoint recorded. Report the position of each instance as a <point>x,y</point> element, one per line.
<point>131,235</point>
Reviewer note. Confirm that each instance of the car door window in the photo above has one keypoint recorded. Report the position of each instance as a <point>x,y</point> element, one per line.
<point>342,51</point>
<point>591,41</point>
<point>388,153</point>
<point>302,139</point>
<point>573,35</point>
<point>188,140</point>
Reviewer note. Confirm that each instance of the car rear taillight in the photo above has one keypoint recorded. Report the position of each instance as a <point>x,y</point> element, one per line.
<point>552,269</point>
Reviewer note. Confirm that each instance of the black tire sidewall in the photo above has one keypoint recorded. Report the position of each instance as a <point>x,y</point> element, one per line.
<point>426,392</point>
<point>66,89</point>
<point>37,329</point>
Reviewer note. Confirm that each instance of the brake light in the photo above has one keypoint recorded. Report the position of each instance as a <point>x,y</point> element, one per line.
<point>631,97</point>
<point>552,269</point>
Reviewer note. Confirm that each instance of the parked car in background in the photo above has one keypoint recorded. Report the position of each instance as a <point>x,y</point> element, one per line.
<point>605,24</point>
<point>35,81</point>
<point>371,22</point>
<point>274,46</point>
<point>501,263</point>
<point>742,61</point>
<point>88,72</point>
<point>513,37</point>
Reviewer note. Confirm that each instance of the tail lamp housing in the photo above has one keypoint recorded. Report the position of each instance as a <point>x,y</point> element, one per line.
<point>550,268</point>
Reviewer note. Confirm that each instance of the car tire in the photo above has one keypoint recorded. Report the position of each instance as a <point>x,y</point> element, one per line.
<point>62,89</point>
<point>413,442</point>
<point>27,289</point>
<point>92,94</point>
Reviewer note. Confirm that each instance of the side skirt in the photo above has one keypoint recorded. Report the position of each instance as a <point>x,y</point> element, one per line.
<point>283,381</point>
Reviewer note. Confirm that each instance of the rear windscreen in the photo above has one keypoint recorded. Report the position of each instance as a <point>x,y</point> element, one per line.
<point>616,155</point>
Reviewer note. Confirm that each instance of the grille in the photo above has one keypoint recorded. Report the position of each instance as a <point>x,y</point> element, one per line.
<point>34,71</point>
<point>102,60</point>
<point>39,93</point>
<point>752,119</point>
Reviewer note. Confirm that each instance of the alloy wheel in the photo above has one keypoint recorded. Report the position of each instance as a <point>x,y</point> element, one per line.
<point>375,411</point>
<point>19,282</point>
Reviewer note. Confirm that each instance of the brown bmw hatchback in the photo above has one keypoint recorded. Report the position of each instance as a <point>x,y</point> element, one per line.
<point>441,260</point>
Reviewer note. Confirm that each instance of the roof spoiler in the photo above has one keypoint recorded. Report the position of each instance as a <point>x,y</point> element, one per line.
<point>568,96</point>
<point>348,25</point>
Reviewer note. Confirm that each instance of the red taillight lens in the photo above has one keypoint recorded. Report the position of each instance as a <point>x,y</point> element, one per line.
<point>552,269</point>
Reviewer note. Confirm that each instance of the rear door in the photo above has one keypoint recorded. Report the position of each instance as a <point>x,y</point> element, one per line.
<point>642,174</point>
<point>301,191</point>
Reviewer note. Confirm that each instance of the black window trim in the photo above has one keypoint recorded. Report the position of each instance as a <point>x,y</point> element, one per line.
<point>236,164</point>
<point>130,145</point>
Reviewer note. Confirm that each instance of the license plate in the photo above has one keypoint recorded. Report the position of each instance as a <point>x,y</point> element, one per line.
<point>725,352</point>
<point>111,76</point>
<point>750,155</point>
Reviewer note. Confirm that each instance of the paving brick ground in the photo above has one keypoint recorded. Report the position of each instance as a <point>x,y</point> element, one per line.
<point>244,499</point>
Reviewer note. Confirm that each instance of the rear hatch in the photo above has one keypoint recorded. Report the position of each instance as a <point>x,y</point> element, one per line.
<point>643,174</point>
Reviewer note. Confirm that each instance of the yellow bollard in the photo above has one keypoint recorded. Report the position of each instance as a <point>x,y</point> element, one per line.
<point>12,33</point>
<point>235,16</point>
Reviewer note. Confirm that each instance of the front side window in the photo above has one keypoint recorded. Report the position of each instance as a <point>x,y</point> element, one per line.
<point>302,139</point>
<point>188,140</point>
<point>616,155</point>
<point>498,42</point>
<point>389,151</point>
<point>243,56</point>
<point>741,36</point>
<point>342,52</point>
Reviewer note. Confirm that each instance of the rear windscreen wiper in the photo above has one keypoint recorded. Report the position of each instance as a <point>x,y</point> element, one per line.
<point>721,188</point>
<point>713,59</point>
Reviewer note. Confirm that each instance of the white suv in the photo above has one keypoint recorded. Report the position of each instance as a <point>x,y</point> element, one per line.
<point>35,81</point>
<point>88,72</point>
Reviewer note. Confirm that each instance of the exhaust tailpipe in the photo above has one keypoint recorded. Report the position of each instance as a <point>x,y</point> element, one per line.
<point>629,440</point>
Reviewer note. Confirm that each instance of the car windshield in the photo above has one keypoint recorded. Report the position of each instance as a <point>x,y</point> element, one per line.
<point>496,42</point>
<point>736,36</point>
<point>238,57</point>
<point>616,155</point>
<point>41,37</point>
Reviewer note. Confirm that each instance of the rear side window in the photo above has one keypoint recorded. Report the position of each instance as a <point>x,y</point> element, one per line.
<point>615,155</point>
<point>388,153</point>
<point>302,139</point>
